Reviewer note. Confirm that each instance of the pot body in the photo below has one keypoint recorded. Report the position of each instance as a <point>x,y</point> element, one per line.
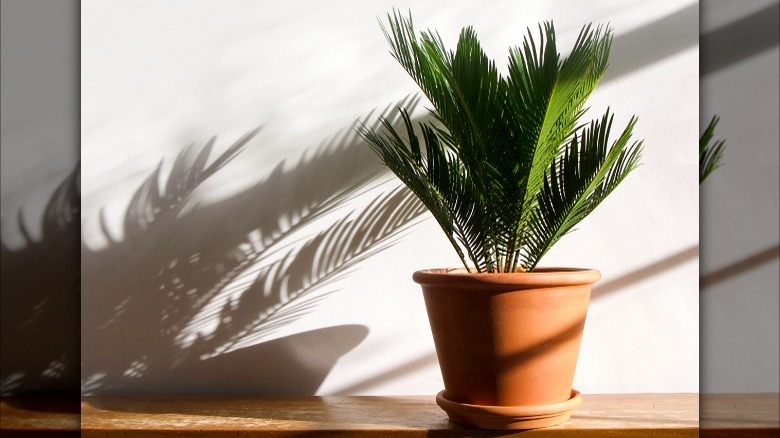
<point>509,339</point>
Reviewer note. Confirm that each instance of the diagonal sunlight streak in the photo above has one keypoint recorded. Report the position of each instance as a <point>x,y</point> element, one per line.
<point>739,267</point>
<point>653,42</point>
<point>738,40</point>
<point>645,272</point>
<point>538,350</point>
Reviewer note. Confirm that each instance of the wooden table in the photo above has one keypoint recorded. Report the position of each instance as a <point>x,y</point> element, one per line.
<point>43,415</point>
<point>740,415</point>
<point>626,415</point>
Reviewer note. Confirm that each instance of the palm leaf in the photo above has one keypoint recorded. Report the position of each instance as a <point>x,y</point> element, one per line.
<point>586,172</point>
<point>710,155</point>
<point>425,175</point>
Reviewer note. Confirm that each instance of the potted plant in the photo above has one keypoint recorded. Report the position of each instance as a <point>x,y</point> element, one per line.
<point>507,167</point>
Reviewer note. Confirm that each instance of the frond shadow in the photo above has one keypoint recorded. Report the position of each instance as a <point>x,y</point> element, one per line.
<point>198,284</point>
<point>40,300</point>
<point>283,287</point>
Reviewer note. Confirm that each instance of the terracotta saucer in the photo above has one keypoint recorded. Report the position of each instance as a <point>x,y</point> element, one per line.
<point>509,417</point>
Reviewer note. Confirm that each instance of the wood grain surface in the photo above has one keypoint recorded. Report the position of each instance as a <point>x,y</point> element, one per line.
<point>39,416</point>
<point>618,415</point>
<point>740,415</point>
<point>600,415</point>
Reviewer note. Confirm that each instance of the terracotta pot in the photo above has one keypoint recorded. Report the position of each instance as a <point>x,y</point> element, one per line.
<point>507,343</point>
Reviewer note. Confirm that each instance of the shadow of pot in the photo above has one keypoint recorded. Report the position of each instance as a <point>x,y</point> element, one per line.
<point>507,343</point>
<point>292,365</point>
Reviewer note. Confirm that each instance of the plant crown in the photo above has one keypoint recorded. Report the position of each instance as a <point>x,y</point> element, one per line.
<point>506,166</point>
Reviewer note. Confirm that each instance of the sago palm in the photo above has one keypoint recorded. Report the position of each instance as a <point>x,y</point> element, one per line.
<point>507,167</point>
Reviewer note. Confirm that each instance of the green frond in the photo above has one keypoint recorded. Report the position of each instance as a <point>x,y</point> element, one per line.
<point>710,155</point>
<point>508,168</point>
<point>575,184</point>
<point>434,177</point>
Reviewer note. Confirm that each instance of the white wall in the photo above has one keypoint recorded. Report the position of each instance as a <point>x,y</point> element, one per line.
<point>157,76</point>
<point>740,201</point>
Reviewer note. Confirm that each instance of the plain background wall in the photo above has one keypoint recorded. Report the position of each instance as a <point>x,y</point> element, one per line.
<point>196,295</point>
<point>740,201</point>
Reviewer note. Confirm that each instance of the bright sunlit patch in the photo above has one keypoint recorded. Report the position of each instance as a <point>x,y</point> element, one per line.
<point>92,383</point>
<point>136,369</point>
<point>11,383</point>
<point>55,369</point>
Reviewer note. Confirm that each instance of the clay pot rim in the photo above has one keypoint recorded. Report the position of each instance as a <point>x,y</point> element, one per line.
<point>539,277</point>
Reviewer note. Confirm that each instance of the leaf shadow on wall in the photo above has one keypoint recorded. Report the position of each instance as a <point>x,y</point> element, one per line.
<point>185,302</point>
<point>40,300</point>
